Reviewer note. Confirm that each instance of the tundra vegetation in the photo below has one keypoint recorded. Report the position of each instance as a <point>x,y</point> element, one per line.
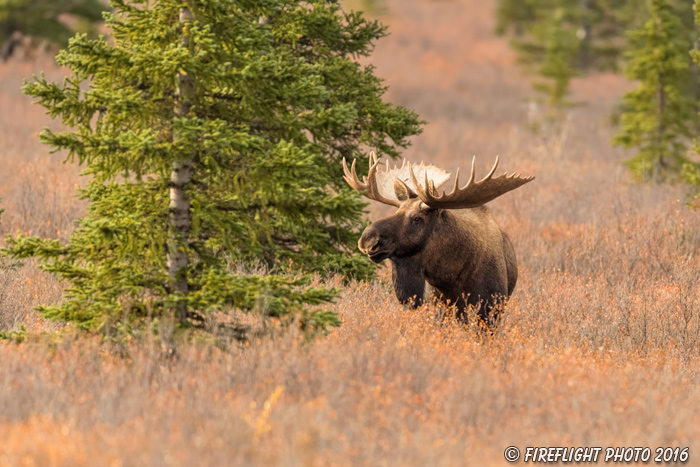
<point>598,346</point>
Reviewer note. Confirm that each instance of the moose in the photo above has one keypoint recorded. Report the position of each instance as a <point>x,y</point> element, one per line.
<point>449,240</point>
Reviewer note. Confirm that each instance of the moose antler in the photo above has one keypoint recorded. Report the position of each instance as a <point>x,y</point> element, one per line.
<point>379,183</point>
<point>473,194</point>
<point>368,186</point>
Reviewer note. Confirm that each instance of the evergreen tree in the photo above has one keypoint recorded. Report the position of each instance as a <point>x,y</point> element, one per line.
<point>591,25</point>
<point>550,40</point>
<point>657,116</point>
<point>515,15</point>
<point>569,37</point>
<point>213,132</point>
<point>691,175</point>
<point>691,170</point>
<point>557,63</point>
<point>41,19</point>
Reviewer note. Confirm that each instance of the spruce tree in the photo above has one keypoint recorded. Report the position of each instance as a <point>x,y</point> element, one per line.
<point>549,42</point>
<point>588,25</point>
<point>691,175</point>
<point>515,15</point>
<point>591,31</point>
<point>691,170</point>
<point>42,19</point>
<point>557,65</point>
<point>657,116</point>
<point>213,133</point>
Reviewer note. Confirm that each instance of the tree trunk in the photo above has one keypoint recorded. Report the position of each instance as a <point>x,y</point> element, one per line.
<point>179,199</point>
<point>584,35</point>
<point>660,129</point>
<point>10,32</point>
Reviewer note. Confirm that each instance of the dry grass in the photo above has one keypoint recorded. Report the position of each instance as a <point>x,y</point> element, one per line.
<point>37,192</point>
<point>598,347</point>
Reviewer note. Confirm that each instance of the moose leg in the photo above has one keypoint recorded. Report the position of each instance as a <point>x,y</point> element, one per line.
<point>487,310</point>
<point>409,281</point>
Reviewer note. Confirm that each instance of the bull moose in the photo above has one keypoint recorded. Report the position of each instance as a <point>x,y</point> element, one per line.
<point>449,240</point>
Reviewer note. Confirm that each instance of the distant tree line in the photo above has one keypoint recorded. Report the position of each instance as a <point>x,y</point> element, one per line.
<point>653,42</point>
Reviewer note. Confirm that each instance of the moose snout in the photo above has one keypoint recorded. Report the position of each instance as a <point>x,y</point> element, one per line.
<point>371,246</point>
<point>374,245</point>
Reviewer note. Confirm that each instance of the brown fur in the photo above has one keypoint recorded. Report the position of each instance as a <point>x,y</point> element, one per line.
<point>463,254</point>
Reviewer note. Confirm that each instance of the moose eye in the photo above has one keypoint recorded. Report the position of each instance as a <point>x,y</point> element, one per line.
<point>417,220</point>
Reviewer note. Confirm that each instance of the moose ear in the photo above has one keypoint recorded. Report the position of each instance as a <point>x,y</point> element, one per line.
<point>403,192</point>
